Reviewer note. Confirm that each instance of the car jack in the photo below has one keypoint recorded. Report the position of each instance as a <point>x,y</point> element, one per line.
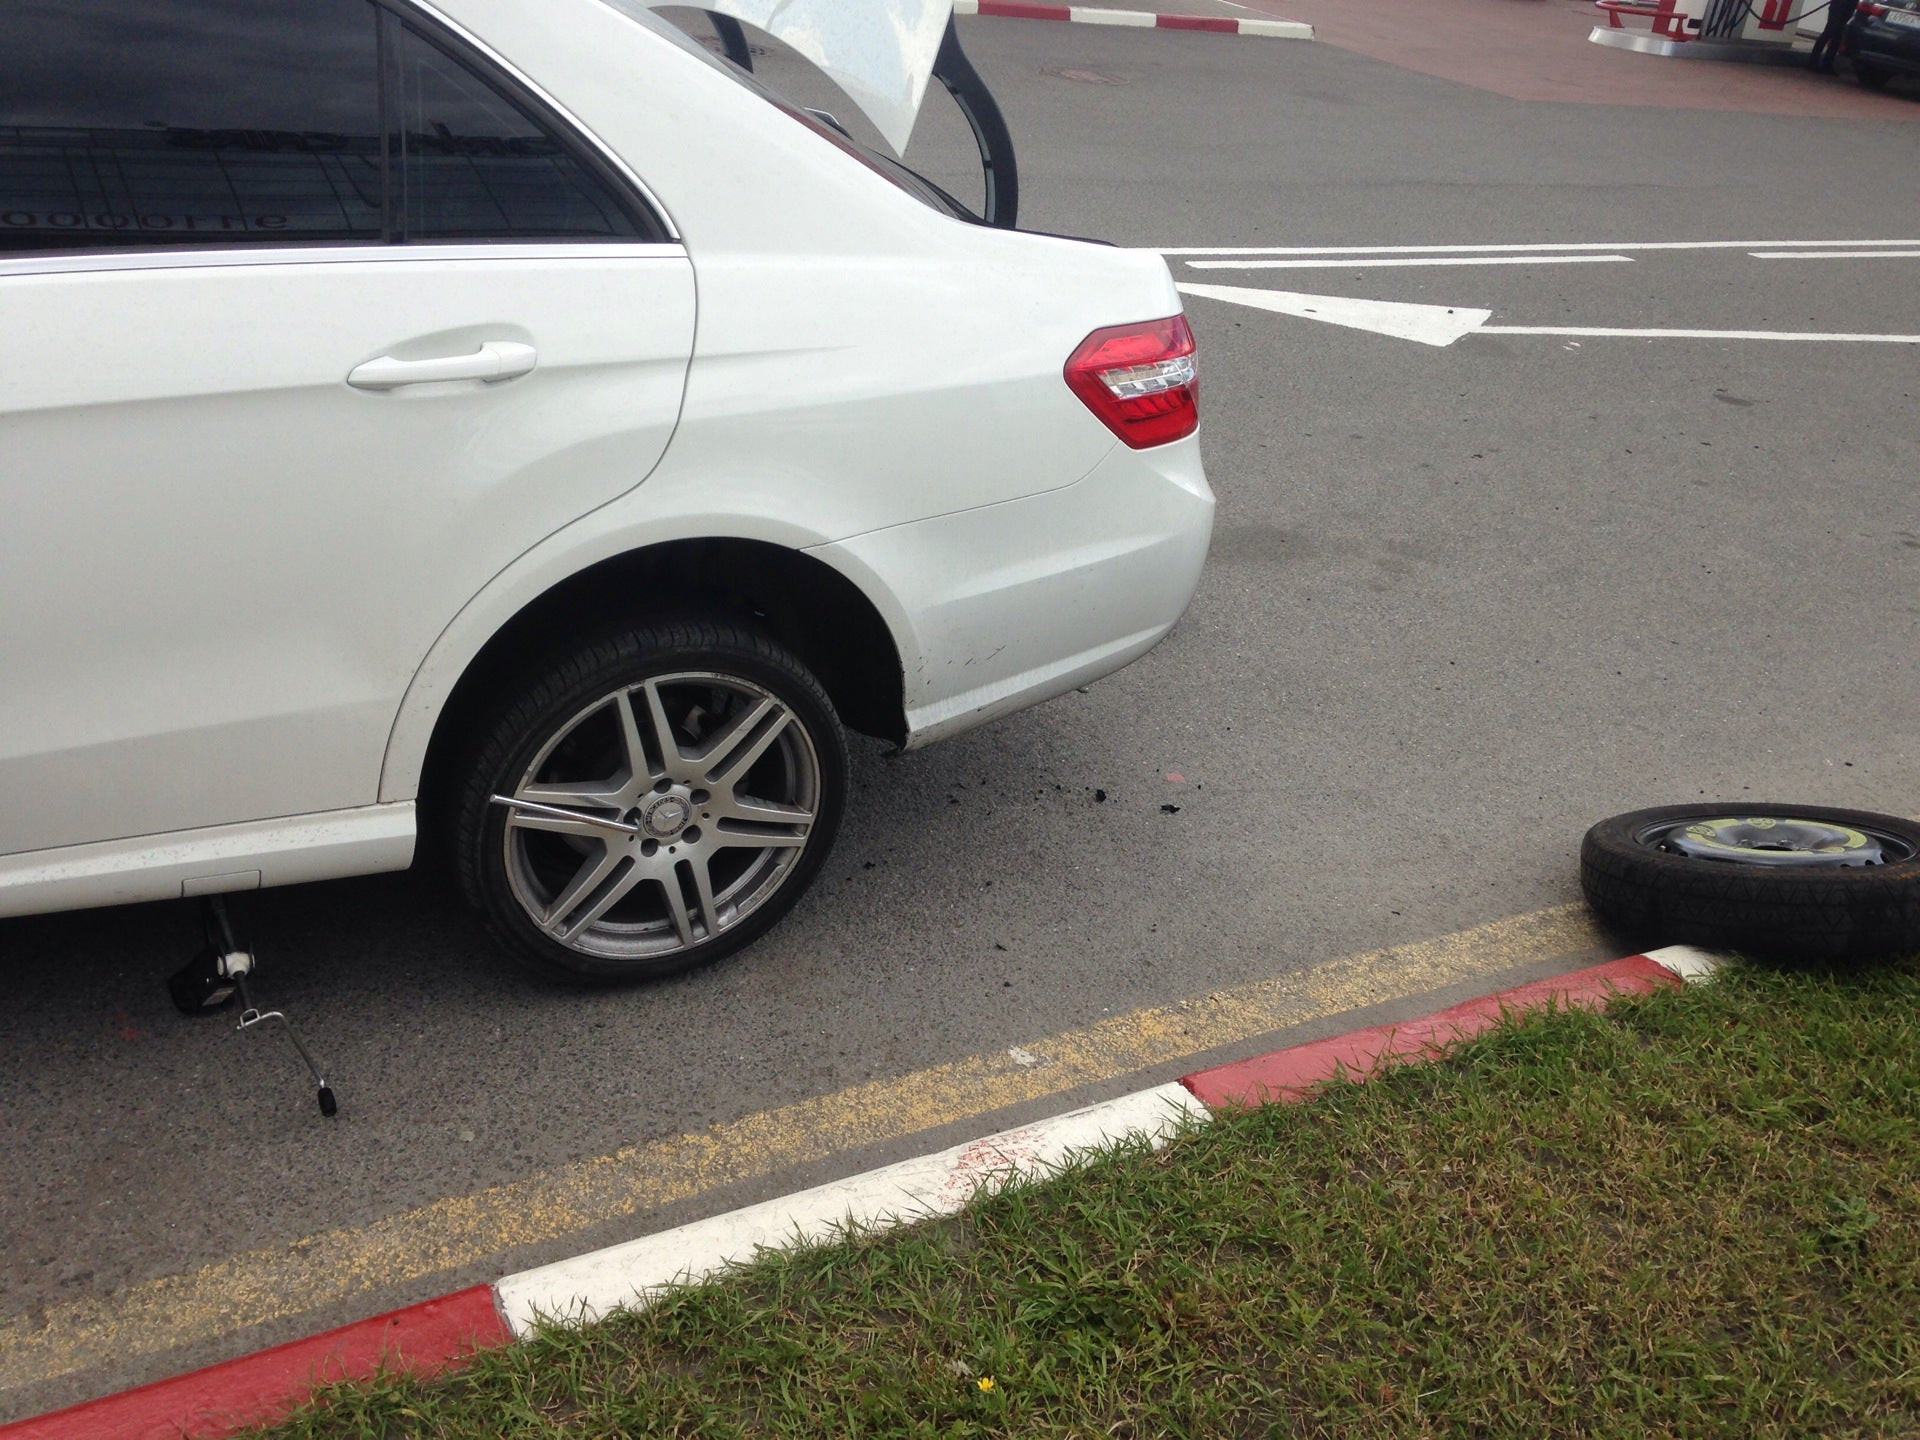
<point>212,979</point>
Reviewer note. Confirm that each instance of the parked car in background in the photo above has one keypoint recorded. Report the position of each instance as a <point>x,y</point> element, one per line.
<point>1883,40</point>
<point>499,421</point>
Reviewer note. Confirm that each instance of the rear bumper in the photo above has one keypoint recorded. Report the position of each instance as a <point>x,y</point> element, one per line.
<point>1895,62</point>
<point>1003,606</point>
<point>1894,48</point>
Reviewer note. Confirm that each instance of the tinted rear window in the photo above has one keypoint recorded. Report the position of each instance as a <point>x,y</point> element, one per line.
<point>218,122</point>
<point>149,121</point>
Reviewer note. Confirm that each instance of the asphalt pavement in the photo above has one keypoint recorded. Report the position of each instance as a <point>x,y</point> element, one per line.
<point>1463,601</point>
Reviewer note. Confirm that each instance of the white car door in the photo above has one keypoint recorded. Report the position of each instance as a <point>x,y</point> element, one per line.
<point>315,319</point>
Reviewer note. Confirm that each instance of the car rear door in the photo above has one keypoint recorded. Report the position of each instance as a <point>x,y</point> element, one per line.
<point>316,318</point>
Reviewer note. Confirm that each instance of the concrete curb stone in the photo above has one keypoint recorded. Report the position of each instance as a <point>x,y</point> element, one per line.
<point>441,1334</point>
<point>1145,19</point>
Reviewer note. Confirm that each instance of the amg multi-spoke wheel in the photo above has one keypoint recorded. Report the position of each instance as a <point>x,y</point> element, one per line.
<point>651,802</point>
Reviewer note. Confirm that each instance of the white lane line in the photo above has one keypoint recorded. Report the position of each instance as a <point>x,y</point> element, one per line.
<point>1797,245</point>
<point>1604,332</point>
<point>1836,254</point>
<point>1385,263</point>
<point>588,1286</point>
<point>1687,961</point>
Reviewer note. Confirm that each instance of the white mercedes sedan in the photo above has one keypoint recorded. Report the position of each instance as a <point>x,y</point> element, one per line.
<point>499,421</point>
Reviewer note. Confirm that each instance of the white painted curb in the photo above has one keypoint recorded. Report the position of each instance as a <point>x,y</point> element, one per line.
<point>1688,962</point>
<point>1092,15</point>
<point>1278,29</point>
<point>587,1286</point>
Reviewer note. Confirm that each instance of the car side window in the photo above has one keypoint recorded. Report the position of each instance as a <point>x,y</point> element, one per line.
<point>472,164</point>
<point>159,122</point>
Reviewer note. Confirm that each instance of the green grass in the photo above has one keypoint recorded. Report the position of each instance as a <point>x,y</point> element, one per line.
<point>1694,1215</point>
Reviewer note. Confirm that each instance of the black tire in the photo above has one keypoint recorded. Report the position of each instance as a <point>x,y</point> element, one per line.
<point>1649,892</point>
<point>601,834</point>
<point>1870,75</point>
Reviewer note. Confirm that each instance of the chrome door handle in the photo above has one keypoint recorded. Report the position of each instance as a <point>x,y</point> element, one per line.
<point>495,360</point>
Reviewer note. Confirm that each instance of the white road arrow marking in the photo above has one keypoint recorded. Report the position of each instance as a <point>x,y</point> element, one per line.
<point>1441,325</point>
<point>1428,324</point>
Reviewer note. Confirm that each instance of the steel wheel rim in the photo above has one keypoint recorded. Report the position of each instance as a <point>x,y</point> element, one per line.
<point>1788,842</point>
<point>661,815</point>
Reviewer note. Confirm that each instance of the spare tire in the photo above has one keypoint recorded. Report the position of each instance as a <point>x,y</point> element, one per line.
<point>1769,880</point>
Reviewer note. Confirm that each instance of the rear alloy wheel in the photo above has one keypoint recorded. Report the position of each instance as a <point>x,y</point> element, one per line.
<point>1777,881</point>
<point>651,802</point>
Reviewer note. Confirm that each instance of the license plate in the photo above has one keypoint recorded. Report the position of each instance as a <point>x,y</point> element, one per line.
<point>1903,17</point>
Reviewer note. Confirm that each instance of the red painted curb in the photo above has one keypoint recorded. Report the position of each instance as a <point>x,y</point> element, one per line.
<point>253,1389</point>
<point>1021,10</point>
<point>1196,22</point>
<point>1293,1073</point>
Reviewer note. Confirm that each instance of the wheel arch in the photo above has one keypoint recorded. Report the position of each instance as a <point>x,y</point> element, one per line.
<point>805,604</point>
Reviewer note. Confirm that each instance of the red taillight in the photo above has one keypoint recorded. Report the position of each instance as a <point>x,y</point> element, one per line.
<point>1140,380</point>
<point>1869,8</point>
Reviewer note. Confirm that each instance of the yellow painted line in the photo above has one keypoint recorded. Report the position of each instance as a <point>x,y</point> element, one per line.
<point>338,1265</point>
